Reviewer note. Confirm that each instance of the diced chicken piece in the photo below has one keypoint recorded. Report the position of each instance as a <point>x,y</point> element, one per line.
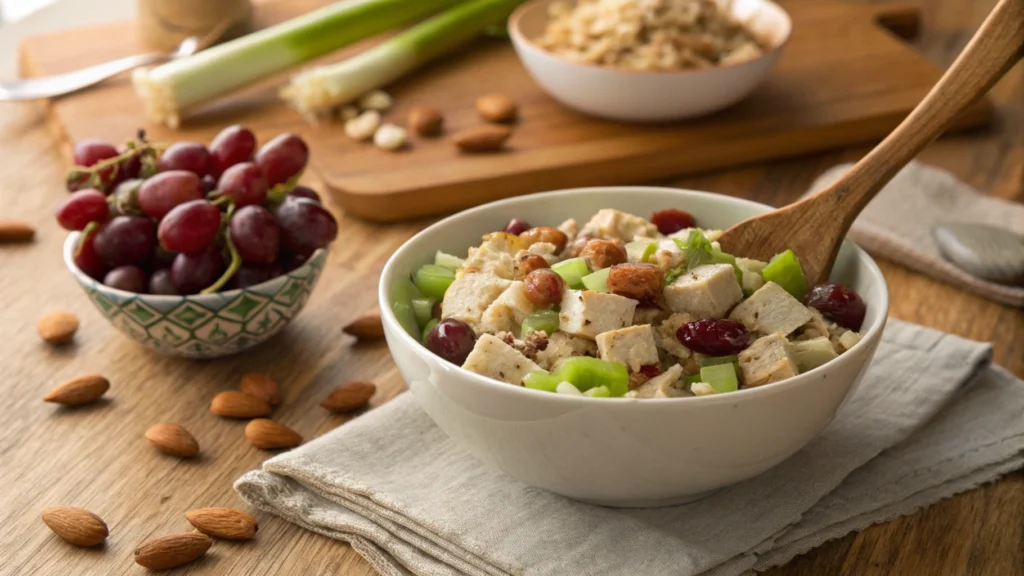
<point>705,292</point>
<point>632,346</point>
<point>544,249</point>
<point>470,295</point>
<point>561,346</point>
<point>667,255</point>
<point>849,339</point>
<point>666,335</point>
<point>611,224</point>
<point>495,255</point>
<point>767,360</point>
<point>650,316</point>
<point>702,389</point>
<point>816,327</point>
<point>495,359</point>
<point>587,313</point>
<point>570,230</point>
<point>683,234</point>
<point>664,385</point>
<point>508,311</point>
<point>771,309</point>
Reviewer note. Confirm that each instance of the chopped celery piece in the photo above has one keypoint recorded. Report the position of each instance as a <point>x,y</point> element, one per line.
<point>572,271</point>
<point>598,392</point>
<point>403,291</point>
<point>568,388</point>
<point>721,377</point>
<point>427,328</point>
<point>585,373</point>
<point>809,354</point>
<point>649,251</point>
<point>446,260</point>
<point>719,257</point>
<point>598,281</point>
<point>540,321</point>
<point>424,309</point>
<point>751,265</point>
<point>692,379</point>
<point>716,360</point>
<point>541,380</point>
<point>784,269</point>
<point>751,282</point>
<point>433,280</point>
<point>636,251</point>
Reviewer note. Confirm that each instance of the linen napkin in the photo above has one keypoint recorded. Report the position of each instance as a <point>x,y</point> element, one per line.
<point>897,224</point>
<point>932,418</point>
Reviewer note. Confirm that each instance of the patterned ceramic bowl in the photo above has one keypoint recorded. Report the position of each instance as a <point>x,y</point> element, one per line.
<point>207,325</point>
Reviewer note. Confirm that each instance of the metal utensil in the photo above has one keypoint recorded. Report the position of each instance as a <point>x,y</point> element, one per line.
<point>60,84</point>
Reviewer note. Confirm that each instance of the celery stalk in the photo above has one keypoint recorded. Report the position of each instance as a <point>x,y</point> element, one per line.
<point>168,90</point>
<point>316,92</point>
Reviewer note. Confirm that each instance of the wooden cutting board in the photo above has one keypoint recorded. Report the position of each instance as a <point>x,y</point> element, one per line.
<point>846,77</point>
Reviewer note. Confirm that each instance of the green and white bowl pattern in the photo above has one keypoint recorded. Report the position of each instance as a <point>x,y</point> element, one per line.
<point>207,325</point>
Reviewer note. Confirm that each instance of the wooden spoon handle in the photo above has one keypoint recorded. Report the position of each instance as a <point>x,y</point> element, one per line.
<point>993,50</point>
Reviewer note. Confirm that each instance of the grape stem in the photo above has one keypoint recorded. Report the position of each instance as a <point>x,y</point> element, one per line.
<point>236,263</point>
<point>278,193</point>
<point>89,229</point>
<point>90,175</point>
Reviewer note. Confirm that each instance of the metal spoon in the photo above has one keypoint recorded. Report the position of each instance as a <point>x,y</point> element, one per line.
<point>60,84</point>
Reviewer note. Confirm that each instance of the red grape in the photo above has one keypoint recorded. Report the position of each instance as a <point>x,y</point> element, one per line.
<point>254,233</point>
<point>190,227</point>
<point>245,183</point>
<point>292,261</point>
<point>191,273</point>
<point>305,225</point>
<point>283,157</point>
<point>305,192</point>
<point>86,258</point>
<point>209,183</point>
<point>159,194</point>
<point>92,151</point>
<point>161,258</point>
<point>452,340</point>
<point>672,220</point>
<point>650,370</point>
<point>125,241</point>
<point>233,145</point>
<point>189,156</point>
<point>714,337</point>
<point>162,283</point>
<point>253,274</point>
<point>127,278</point>
<point>130,168</point>
<point>516,226</point>
<point>82,207</point>
<point>839,304</point>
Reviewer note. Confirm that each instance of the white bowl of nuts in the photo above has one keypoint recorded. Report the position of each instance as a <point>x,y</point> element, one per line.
<point>649,60</point>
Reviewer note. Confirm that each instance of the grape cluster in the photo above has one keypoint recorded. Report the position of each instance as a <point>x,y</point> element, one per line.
<point>188,218</point>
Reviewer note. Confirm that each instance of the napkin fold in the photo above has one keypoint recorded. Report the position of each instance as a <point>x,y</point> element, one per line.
<point>897,224</point>
<point>933,417</point>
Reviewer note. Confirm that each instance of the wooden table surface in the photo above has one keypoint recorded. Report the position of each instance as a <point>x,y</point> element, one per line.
<point>97,458</point>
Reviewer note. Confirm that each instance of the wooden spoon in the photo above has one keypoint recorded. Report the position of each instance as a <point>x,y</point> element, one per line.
<point>815,227</point>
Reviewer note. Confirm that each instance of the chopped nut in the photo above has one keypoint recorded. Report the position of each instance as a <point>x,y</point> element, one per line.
<point>364,126</point>
<point>389,137</point>
<point>482,138</point>
<point>377,100</point>
<point>496,108</point>
<point>425,121</point>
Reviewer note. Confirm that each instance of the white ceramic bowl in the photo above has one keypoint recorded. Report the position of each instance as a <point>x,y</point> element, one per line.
<point>649,96</point>
<point>624,451</point>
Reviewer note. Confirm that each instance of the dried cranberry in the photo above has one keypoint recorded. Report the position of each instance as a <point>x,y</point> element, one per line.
<point>516,226</point>
<point>839,304</point>
<point>452,340</point>
<point>672,220</point>
<point>650,370</point>
<point>714,337</point>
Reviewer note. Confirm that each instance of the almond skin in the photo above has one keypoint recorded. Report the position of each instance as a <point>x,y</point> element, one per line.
<point>238,404</point>
<point>269,435</point>
<point>173,550</point>
<point>488,138</point>
<point>173,439</point>
<point>76,525</point>
<point>12,231</point>
<point>224,523</point>
<point>366,327</point>
<point>57,327</point>
<point>496,108</point>
<point>425,121</point>
<point>261,386</point>
<point>79,390</point>
<point>349,397</point>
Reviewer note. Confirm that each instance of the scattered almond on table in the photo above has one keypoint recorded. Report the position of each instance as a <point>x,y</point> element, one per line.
<point>57,327</point>
<point>486,138</point>
<point>172,550</point>
<point>389,137</point>
<point>79,390</point>
<point>173,439</point>
<point>13,231</point>
<point>76,525</point>
<point>425,120</point>
<point>349,397</point>
<point>496,108</point>
<point>269,435</point>
<point>366,327</point>
<point>363,126</point>
<point>261,386</point>
<point>223,523</point>
<point>378,100</point>
<point>238,404</point>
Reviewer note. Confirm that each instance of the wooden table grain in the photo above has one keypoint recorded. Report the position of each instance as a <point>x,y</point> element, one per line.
<point>96,457</point>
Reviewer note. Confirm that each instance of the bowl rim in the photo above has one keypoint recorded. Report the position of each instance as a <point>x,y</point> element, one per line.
<point>870,335</point>
<point>72,239</point>
<point>519,39</point>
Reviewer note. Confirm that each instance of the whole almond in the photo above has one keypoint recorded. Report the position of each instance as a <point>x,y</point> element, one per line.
<point>261,386</point>
<point>349,397</point>
<point>12,231</point>
<point>366,327</point>
<point>496,108</point>
<point>425,120</point>
<point>173,439</point>
<point>224,523</point>
<point>238,404</point>
<point>173,550</point>
<point>76,525</point>
<point>57,327</point>
<point>79,390</point>
<point>269,435</point>
<point>487,138</point>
